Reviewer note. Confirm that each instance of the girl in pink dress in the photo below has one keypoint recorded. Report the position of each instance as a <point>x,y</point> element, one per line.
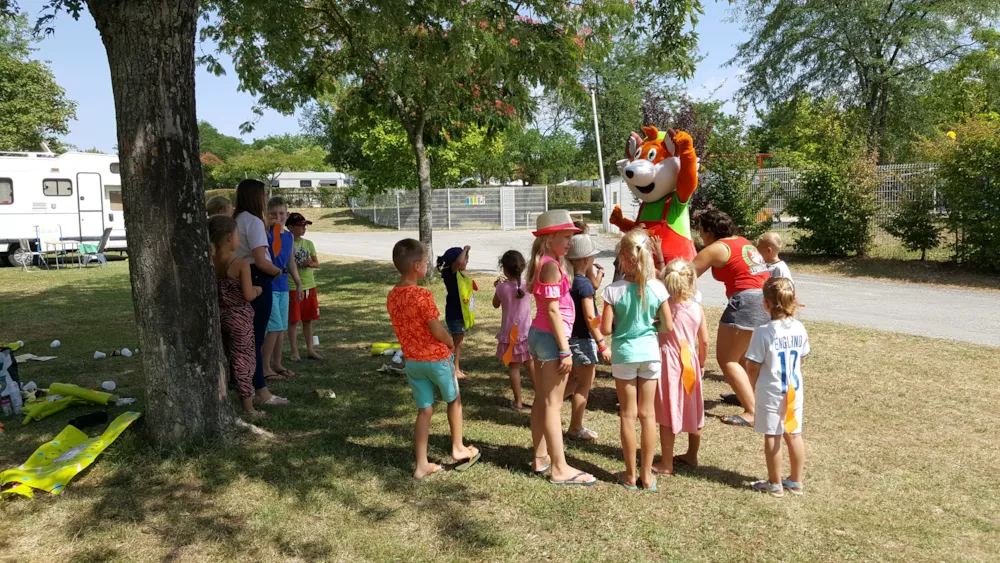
<point>679,403</point>
<point>512,347</point>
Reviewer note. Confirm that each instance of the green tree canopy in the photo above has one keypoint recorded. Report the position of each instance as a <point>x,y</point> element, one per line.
<point>33,107</point>
<point>868,55</point>
<point>427,65</point>
<point>221,145</point>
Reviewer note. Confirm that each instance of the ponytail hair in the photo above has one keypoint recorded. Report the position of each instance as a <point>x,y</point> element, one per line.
<point>635,255</point>
<point>780,295</point>
<point>442,263</point>
<point>680,279</point>
<point>512,263</point>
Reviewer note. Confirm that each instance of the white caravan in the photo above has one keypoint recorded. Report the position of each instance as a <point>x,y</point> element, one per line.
<point>78,192</point>
<point>311,180</point>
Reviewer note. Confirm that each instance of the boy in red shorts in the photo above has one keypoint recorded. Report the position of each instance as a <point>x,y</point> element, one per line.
<point>306,310</point>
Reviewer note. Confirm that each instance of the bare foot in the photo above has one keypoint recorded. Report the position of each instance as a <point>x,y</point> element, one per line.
<point>464,453</point>
<point>295,357</point>
<point>460,375</point>
<point>687,459</point>
<point>517,405</point>
<point>664,468</point>
<point>282,370</point>
<point>314,356</point>
<point>429,469</point>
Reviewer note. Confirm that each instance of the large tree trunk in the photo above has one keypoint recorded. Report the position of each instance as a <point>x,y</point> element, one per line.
<point>150,46</point>
<point>424,176</point>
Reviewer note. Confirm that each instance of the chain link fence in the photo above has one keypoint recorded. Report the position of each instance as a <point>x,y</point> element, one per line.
<point>782,184</point>
<point>505,207</point>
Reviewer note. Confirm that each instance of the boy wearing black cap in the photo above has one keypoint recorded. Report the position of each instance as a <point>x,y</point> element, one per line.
<point>306,310</point>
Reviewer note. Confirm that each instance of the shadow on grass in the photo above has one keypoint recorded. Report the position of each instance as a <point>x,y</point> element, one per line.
<point>324,451</point>
<point>333,219</point>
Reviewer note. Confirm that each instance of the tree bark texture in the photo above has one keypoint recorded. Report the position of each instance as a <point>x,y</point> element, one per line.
<point>150,46</point>
<point>424,176</point>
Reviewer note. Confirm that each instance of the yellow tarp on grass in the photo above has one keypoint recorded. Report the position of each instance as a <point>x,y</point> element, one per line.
<point>53,464</point>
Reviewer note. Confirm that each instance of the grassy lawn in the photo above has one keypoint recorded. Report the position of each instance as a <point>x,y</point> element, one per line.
<point>337,220</point>
<point>900,432</point>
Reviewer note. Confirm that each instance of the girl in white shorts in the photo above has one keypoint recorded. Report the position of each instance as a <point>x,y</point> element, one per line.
<point>774,365</point>
<point>636,301</point>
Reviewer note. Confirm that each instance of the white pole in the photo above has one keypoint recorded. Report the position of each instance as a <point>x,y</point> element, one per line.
<point>606,214</point>
<point>399,224</point>
<point>448,195</point>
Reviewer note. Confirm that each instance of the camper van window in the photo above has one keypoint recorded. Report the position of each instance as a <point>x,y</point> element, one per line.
<point>115,197</point>
<point>325,183</point>
<point>6,191</point>
<point>116,168</point>
<point>305,183</point>
<point>57,187</point>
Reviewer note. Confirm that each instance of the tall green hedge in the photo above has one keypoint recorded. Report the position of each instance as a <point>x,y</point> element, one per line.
<point>560,195</point>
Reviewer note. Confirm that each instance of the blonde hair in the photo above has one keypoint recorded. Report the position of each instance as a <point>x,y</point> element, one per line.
<point>538,249</point>
<point>218,204</point>
<point>680,279</point>
<point>635,256</point>
<point>780,295</point>
<point>772,238</point>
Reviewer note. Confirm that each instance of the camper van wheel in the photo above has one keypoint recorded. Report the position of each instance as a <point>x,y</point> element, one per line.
<point>18,256</point>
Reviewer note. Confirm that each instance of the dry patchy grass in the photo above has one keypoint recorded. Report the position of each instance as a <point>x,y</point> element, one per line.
<point>900,436</point>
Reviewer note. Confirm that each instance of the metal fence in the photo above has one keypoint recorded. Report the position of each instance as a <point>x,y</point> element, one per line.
<point>782,184</point>
<point>506,207</point>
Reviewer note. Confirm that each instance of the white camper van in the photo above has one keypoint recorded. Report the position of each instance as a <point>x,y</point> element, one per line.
<point>78,192</point>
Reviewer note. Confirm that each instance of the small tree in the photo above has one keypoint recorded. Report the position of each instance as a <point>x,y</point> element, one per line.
<point>835,207</point>
<point>916,223</point>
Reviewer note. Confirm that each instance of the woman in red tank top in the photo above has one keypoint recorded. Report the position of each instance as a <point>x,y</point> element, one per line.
<point>735,262</point>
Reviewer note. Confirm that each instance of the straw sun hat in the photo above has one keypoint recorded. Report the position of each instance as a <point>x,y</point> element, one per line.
<point>553,221</point>
<point>583,247</point>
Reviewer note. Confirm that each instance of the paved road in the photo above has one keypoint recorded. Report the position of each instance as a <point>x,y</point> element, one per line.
<point>956,314</point>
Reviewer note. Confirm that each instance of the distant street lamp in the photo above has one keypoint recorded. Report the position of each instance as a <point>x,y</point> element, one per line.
<point>606,211</point>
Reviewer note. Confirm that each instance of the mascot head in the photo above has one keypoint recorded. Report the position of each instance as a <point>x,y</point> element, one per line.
<point>650,167</point>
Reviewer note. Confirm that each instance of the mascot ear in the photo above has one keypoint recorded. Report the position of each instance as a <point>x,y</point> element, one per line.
<point>633,144</point>
<point>652,133</point>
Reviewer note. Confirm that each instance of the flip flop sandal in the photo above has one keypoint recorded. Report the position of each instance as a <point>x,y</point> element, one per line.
<point>469,462</point>
<point>736,420</point>
<point>274,401</point>
<point>573,482</point>
<point>655,472</point>
<point>651,489</point>
<point>542,471</point>
<point>287,374</point>
<point>581,436</point>
<point>793,487</point>
<point>628,487</point>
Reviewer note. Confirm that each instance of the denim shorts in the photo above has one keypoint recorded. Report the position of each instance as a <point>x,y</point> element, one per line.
<point>746,310</point>
<point>542,345</point>
<point>424,377</point>
<point>584,351</point>
<point>279,312</point>
<point>455,326</point>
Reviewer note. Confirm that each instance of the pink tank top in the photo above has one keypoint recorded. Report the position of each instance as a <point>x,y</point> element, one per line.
<point>544,292</point>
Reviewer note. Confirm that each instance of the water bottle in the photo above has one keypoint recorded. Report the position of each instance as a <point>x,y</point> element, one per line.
<point>5,405</point>
<point>15,395</point>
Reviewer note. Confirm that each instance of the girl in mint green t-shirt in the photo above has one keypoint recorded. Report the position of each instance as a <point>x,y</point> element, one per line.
<point>636,302</point>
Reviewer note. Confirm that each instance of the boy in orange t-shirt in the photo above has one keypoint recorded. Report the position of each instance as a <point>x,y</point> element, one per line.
<point>427,347</point>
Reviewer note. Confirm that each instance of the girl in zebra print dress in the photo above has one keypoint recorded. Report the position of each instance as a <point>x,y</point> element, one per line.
<point>232,276</point>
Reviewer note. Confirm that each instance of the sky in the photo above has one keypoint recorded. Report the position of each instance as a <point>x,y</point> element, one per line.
<point>79,62</point>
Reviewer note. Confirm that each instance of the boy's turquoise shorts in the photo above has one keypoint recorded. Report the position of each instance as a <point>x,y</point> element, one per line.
<point>425,376</point>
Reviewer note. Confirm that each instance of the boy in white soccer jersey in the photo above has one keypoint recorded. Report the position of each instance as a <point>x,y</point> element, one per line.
<point>774,364</point>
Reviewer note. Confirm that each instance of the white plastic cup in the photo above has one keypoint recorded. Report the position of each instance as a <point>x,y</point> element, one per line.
<point>20,344</point>
<point>99,355</point>
<point>315,340</point>
<point>109,386</point>
<point>29,387</point>
<point>126,352</point>
<point>55,344</point>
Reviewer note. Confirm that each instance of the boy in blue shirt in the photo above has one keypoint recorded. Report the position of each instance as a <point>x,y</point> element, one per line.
<point>281,244</point>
